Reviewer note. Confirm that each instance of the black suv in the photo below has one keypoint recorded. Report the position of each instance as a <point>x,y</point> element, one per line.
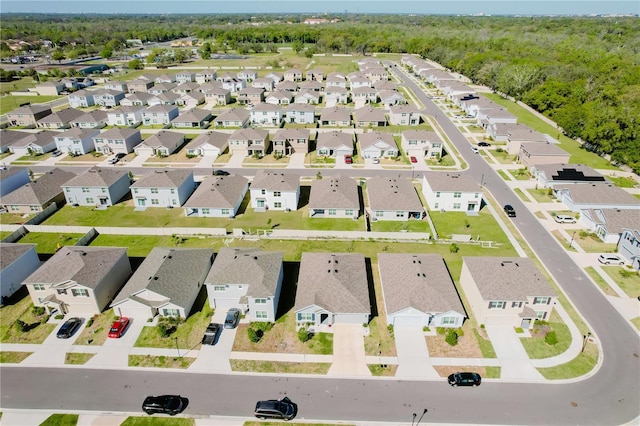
<point>165,404</point>
<point>68,328</point>
<point>211,334</point>
<point>276,409</point>
<point>465,379</point>
<point>509,210</point>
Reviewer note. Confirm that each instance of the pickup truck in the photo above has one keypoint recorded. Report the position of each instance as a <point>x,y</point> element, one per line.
<point>211,334</point>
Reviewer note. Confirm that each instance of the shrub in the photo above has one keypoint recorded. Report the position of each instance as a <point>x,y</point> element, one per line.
<point>452,338</point>
<point>551,338</point>
<point>37,310</point>
<point>44,319</point>
<point>482,326</point>
<point>262,326</point>
<point>304,335</point>
<point>426,329</point>
<point>390,329</point>
<point>167,326</point>
<point>253,335</point>
<point>59,316</point>
<point>453,248</point>
<point>441,330</point>
<point>459,332</point>
<point>91,320</point>
<point>519,330</point>
<point>21,326</point>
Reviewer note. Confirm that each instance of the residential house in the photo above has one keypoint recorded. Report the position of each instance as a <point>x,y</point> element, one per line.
<point>385,85</point>
<point>79,280</point>
<point>184,88</point>
<point>422,143</point>
<point>376,73</point>
<point>391,97</point>
<point>185,77</point>
<point>279,97</point>
<point>314,74</point>
<point>487,117</point>
<point>369,116</point>
<point>97,187</point>
<point>332,289</point>
<point>165,78</point>
<point>275,191</point>
<point>335,95</point>
<point>581,196</point>
<point>335,117</point>
<point>248,278</point>
<point>307,97</point>
<point>287,141</point>
<point>167,283</point>
<point>159,114</point>
<point>335,144</point>
<point>293,75</point>
<point>250,95</point>
<point>81,99</point>
<point>34,143</point>
<point>334,197</point>
<point>248,142</point>
<point>205,76</point>
<point>549,175</point>
<point>287,86</point>
<point>418,291</point>
<point>275,76</point>
<point>12,178</point>
<point>165,98</point>
<point>233,85</point>
<point>76,141</point>
<point>162,144</point>
<point>139,85</point>
<point>217,196</point>
<point>377,145</point>
<point>59,119</point>
<point>506,291</point>
<point>27,115</point>
<point>403,115</point>
<point>218,96</point>
<point>211,144</point>
<point>163,188</point>
<point>193,118</point>
<point>50,88</point>
<point>17,262</point>
<point>629,246</point>
<point>125,116</point>
<point>159,88</point>
<point>138,98</point>
<point>34,197</point>
<point>114,141</point>
<point>9,137</point>
<point>610,224</point>
<point>95,119</point>
<point>514,134</point>
<point>236,117</point>
<point>264,83</point>
<point>453,88</point>
<point>364,95</point>
<point>311,86</point>
<point>393,199</point>
<point>451,192</point>
<point>266,115</point>
<point>532,153</point>
<point>358,81</point>
<point>118,86</point>
<point>107,98</point>
<point>336,80</point>
<point>300,113</point>
<point>247,75</point>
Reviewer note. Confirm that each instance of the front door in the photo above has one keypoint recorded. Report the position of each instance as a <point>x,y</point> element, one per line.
<point>471,207</point>
<point>142,202</point>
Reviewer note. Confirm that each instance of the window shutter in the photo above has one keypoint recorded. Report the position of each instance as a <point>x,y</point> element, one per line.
<point>504,305</point>
<point>549,301</point>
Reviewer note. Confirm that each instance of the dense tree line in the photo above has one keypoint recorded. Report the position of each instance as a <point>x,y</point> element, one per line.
<point>584,73</point>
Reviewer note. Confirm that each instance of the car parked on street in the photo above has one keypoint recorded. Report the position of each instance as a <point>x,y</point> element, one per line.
<point>609,259</point>
<point>464,379</point>
<point>69,327</point>
<point>232,318</point>
<point>220,173</point>
<point>283,409</point>
<point>164,404</point>
<point>211,334</point>
<point>118,327</point>
<point>509,210</point>
<point>565,219</point>
<point>484,144</point>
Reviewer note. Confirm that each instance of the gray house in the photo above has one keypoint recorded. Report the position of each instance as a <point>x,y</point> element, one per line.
<point>629,246</point>
<point>167,283</point>
<point>418,291</point>
<point>332,289</point>
<point>393,199</point>
<point>248,278</point>
<point>12,178</point>
<point>97,187</point>
<point>162,144</point>
<point>114,141</point>
<point>581,196</point>
<point>34,197</point>
<point>17,262</point>
<point>163,188</point>
<point>217,196</point>
<point>334,197</point>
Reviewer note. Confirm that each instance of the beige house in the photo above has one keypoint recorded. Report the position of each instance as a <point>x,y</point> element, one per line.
<point>34,197</point>
<point>532,153</point>
<point>506,291</point>
<point>79,280</point>
<point>27,115</point>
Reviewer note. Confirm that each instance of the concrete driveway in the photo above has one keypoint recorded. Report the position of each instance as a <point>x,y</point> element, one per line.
<point>115,352</point>
<point>512,356</point>
<point>413,355</point>
<point>216,357</point>
<point>348,351</point>
<point>53,350</point>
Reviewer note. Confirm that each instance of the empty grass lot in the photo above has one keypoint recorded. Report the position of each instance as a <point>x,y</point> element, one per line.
<point>483,226</point>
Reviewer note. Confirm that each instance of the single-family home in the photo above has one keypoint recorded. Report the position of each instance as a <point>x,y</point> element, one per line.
<point>159,114</point>
<point>514,134</point>
<point>275,76</point>
<point>248,278</point>
<point>363,95</point>
<point>116,140</point>
<point>34,143</point>
<point>163,188</point>
<point>118,86</point>
<point>247,75</point>
<point>125,116</point>
<point>489,116</point>
<point>506,291</point>
<point>191,100</point>
<point>377,145</point>
<point>335,117</point>
<point>17,262</point>
<point>393,199</point>
<point>314,74</point>
<point>211,144</point>
<point>311,86</point>
<point>335,95</point>
<point>418,291</point>
<point>376,73</point>
<point>81,99</point>
<point>334,197</point>
<point>236,117</point>
<point>332,289</point>
<point>217,196</point>
<point>50,88</point>
<point>532,153</point>
<point>391,97</point>
<point>287,141</point>
<point>403,115</point>
<point>59,119</point>
<point>205,76</point>
<point>27,115</point>
<point>12,178</point>
<point>138,98</point>
<point>358,79</point>
<point>250,95</point>
<point>248,142</point>
<point>184,88</point>
<point>279,97</point>
<point>451,192</point>
<point>164,98</point>
<point>159,88</point>
<point>233,84</point>
<point>162,144</point>
<point>95,119</point>
<point>185,77</point>
<point>265,114</point>
<point>422,143</point>
<point>165,78</point>
<point>287,86</point>
<point>336,80</point>
<point>609,224</point>
<point>293,75</point>
<point>194,118</point>
<point>307,97</point>
<point>368,116</point>
<point>300,114</point>
<point>264,83</point>
<point>79,280</point>
<point>629,246</point>
<point>97,187</point>
<point>108,98</point>
<point>218,96</point>
<point>334,144</point>
<point>9,137</point>
<point>275,191</point>
<point>139,85</point>
<point>582,196</point>
<point>34,197</point>
<point>76,141</point>
<point>167,283</point>
<point>549,175</point>
<point>385,85</point>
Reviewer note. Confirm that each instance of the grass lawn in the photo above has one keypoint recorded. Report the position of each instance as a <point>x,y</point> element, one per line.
<point>413,225</point>
<point>9,103</point>
<point>600,281</point>
<point>96,333</point>
<point>485,345</point>
<point>17,84</point>
<point>467,346</point>
<point>158,421</point>
<point>623,182</point>
<point>536,346</point>
<point>160,361</point>
<point>503,156</point>
<point>521,194</point>
<point>379,341</point>
<point>590,243</point>
<point>76,358</point>
<point>49,243</point>
<point>577,367</point>
<point>504,175</point>
<point>636,322</point>
<point>483,225</point>
<point>628,280</point>
<point>445,370</point>
<point>23,310</point>
<point>61,420</point>
<point>541,195</point>
<point>279,367</point>
<point>189,333</point>
<point>13,357</point>
<point>386,370</point>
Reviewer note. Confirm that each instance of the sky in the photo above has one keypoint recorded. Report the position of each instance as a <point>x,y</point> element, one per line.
<point>466,7</point>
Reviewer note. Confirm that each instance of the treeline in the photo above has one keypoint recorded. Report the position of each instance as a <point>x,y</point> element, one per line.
<point>584,73</point>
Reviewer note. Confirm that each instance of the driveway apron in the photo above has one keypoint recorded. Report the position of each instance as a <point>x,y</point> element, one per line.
<point>413,355</point>
<point>216,357</point>
<point>348,351</point>
<point>115,352</point>
<point>512,356</point>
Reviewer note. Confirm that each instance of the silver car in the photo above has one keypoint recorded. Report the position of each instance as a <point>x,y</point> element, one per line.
<point>232,318</point>
<point>565,219</point>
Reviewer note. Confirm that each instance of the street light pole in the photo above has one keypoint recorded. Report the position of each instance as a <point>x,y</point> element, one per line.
<point>413,422</point>
<point>178,348</point>
<point>572,237</point>
<point>585,340</point>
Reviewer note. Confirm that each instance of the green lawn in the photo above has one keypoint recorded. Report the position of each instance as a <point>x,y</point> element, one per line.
<point>49,243</point>
<point>590,242</point>
<point>600,281</point>
<point>521,194</point>
<point>636,322</point>
<point>61,420</point>
<point>13,357</point>
<point>577,367</point>
<point>537,348</point>
<point>484,226</point>
<point>158,421</point>
<point>486,347</point>
<point>400,226</point>
<point>23,310</point>
<point>188,333</point>
<point>628,280</point>
<point>504,175</point>
<point>279,367</point>
<point>77,358</point>
<point>623,182</point>
<point>541,195</point>
<point>160,361</point>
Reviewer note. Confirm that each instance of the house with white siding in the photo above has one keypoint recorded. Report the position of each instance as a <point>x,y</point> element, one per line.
<point>393,199</point>
<point>377,145</point>
<point>422,143</point>
<point>217,196</point>
<point>17,262</point>
<point>334,197</point>
<point>125,116</point>
<point>248,142</point>
<point>162,144</point>
<point>236,117</point>
<point>300,113</point>
<point>76,141</point>
<point>159,114</point>
<point>451,192</point>
<point>163,188</point>
<point>194,118</point>
<point>265,114</point>
<point>97,187</point>
<point>115,140</point>
<point>335,144</point>
<point>403,115</point>
<point>275,191</point>
<point>210,143</point>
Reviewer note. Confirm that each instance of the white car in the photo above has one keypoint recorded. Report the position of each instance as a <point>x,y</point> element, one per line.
<point>608,259</point>
<point>565,219</point>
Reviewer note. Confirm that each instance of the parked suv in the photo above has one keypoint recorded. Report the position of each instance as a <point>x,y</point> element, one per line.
<point>283,409</point>
<point>565,219</point>
<point>610,259</point>
<point>211,334</point>
<point>232,318</point>
<point>68,328</point>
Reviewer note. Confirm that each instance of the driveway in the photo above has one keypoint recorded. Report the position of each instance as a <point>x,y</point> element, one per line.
<point>296,160</point>
<point>413,355</point>
<point>53,350</point>
<point>115,352</point>
<point>216,357</point>
<point>348,351</point>
<point>512,356</point>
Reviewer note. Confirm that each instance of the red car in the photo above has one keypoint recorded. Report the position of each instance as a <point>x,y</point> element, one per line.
<point>414,159</point>
<point>348,159</point>
<point>118,327</point>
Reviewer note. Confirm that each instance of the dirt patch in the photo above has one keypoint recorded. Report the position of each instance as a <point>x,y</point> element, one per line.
<point>467,346</point>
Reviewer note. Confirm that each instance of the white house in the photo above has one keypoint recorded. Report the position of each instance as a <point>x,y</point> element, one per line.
<point>97,187</point>
<point>300,114</point>
<point>266,115</point>
<point>377,145</point>
<point>275,191</point>
<point>217,196</point>
<point>125,116</point>
<point>163,144</point>
<point>117,140</point>
<point>211,143</point>
<point>451,192</point>
<point>76,140</point>
<point>421,143</point>
<point>159,114</point>
<point>163,188</point>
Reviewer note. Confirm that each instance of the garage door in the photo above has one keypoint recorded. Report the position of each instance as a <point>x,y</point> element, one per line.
<point>402,320</point>
<point>142,313</point>
<point>502,320</point>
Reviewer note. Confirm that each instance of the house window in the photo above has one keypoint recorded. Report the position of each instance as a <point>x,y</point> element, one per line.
<point>476,195</point>
<point>34,208</point>
<point>399,214</point>
<point>79,292</point>
<point>516,304</point>
<point>261,314</point>
<point>497,305</point>
<point>104,190</point>
<point>38,287</point>
<point>332,212</point>
<point>456,206</point>
<point>219,288</point>
<point>170,312</point>
<point>61,291</point>
<point>154,190</point>
<point>206,211</point>
<point>541,315</point>
<point>437,194</point>
<point>277,193</point>
<point>85,189</point>
<point>457,194</point>
<point>348,212</point>
<point>173,191</point>
<point>263,191</point>
<point>225,211</point>
<point>435,206</point>
<point>135,190</point>
<point>155,201</point>
<point>89,200</point>
<point>261,301</point>
<point>448,320</point>
<point>306,317</point>
<point>541,300</point>
<point>277,205</point>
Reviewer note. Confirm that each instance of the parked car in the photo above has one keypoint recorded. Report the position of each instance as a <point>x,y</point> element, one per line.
<point>232,318</point>
<point>283,409</point>
<point>118,327</point>
<point>348,159</point>
<point>376,160</point>
<point>165,404</point>
<point>608,259</point>
<point>565,219</point>
<point>413,159</point>
<point>465,379</point>
<point>56,153</point>
<point>509,210</point>
<point>119,156</point>
<point>475,149</point>
<point>484,144</point>
<point>220,173</point>
<point>211,334</point>
<point>68,328</point>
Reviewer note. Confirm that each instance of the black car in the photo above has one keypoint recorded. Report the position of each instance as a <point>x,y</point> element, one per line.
<point>211,334</point>
<point>220,173</point>
<point>232,318</point>
<point>164,404</point>
<point>283,409</point>
<point>485,144</point>
<point>69,327</point>
<point>465,379</point>
<point>509,210</point>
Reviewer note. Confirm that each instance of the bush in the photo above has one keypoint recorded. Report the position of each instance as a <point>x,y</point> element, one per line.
<point>22,326</point>
<point>452,338</point>
<point>167,326</point>
<point>37,310</point>
<point>253,335</point>
<point>441,330</point>
<point>59,316</point>
<point>304,335</point>
<point>453,248</point>
<point>390,329</point>
<point>551,338</point>
<point>44,319</point>
<point>519,330</point>
<point>262,326</point>
<point>91,320</point>
<point>426,329</point>
<point>459,332</point>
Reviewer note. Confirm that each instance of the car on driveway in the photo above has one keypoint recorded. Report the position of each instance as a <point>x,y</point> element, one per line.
<point>348,159</point>
<point>484,144</point>
<point>118,327</point>
<point>464,379</point>
<point>165,404</point>
<point>283,409</point>
<point>376,160</point>
<point>565,219</point>
<point>413,159</point>
<point>220,173</point>
<point>609,259</point>
<point>211,334</point>
<point>232,318</point>
<point>56,153</point>
<point>68,328</point>
<point>119,156</point>
<point>509,210</point>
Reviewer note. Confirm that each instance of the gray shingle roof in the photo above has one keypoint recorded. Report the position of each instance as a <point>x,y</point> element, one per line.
<point>335,113</point>
<point>419,281</point>
<point>41,138</point>
<point>617,221</point>
<point>47,187</point>
<point>165,138</point>
<point>118,133</point>
<point>291,134</point>
<point>87,266</point>
<point>249,134</point>
<point>393,194</point>
<point>258,269</point>
<point>63,116</point>
<point>450,182</point>
<point>334,139</point>
<point>599,193</point>
<point>507,278</point>
<point>163,179</point>
<point>542,148</point>
<point>422,135</point>
<point>217,139</point>
<point>10,252</point>
<point>235,114</point>
<point>97,177</point>
<point>336,282</point>
<point>339,192</point>
<point>274,181</point>
<point>371,138</point>
<point>9,137</point>
<point>218,192</point>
